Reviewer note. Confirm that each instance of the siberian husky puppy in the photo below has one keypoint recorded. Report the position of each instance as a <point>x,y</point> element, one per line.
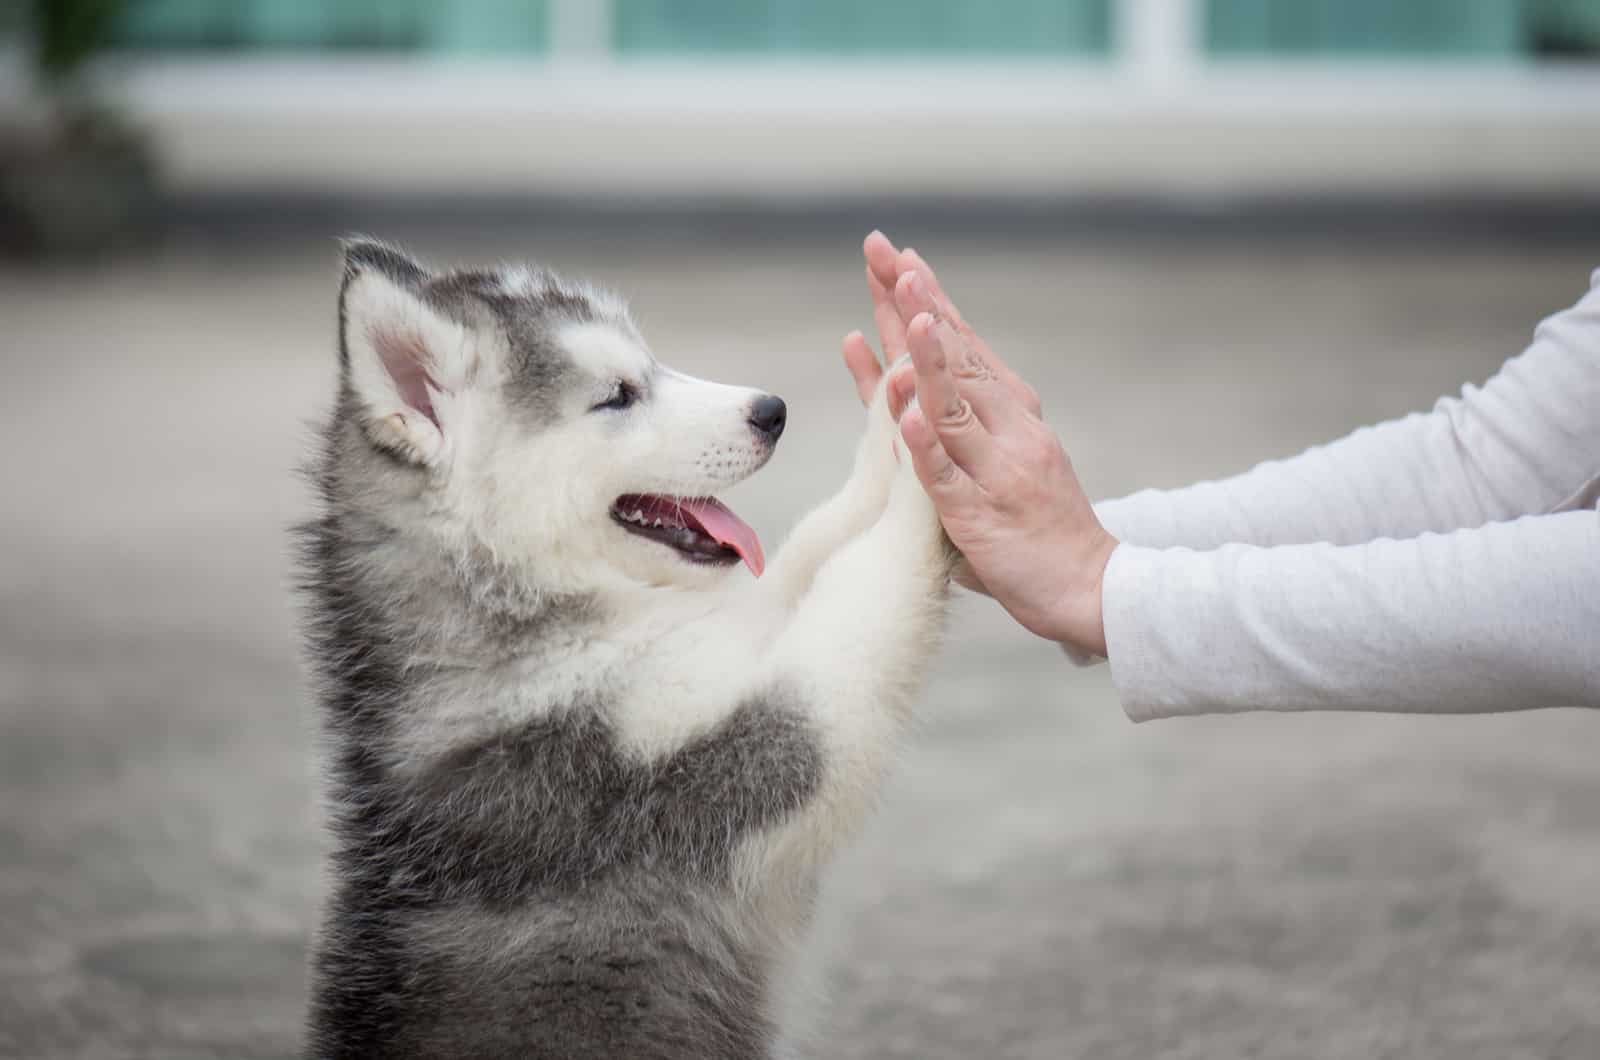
<point>583,768</point>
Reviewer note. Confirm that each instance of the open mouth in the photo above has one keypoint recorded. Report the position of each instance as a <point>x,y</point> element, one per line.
<point>700,529</point>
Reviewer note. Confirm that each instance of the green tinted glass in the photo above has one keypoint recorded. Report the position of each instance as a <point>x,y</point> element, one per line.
<point>1365,27</point>
<point>517,26</point>
<point>843,27</point>
<point>1045,28</point>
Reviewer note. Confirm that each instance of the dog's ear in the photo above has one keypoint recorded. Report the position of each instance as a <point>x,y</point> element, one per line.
<point>405,360</point>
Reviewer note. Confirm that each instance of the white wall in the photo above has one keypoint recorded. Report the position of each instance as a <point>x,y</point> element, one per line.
<point>796,132</point>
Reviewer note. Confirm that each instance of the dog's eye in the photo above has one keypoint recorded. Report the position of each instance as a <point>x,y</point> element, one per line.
<point>622,395</point>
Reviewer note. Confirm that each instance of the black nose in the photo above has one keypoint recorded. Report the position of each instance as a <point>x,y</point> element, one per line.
<point>768,416</point>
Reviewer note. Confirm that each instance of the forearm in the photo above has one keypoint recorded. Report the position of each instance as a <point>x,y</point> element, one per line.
<point>1502,617</point>
<point>825,530</point>
<point>1396,479</point>
<point>844,516</point>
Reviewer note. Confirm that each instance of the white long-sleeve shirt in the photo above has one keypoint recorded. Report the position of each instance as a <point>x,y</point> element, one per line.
<point>1444,562</point>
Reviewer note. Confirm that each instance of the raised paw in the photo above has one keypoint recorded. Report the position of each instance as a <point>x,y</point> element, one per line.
<point>881,413</point>
<point>909,503</point>
<point>881,450</point>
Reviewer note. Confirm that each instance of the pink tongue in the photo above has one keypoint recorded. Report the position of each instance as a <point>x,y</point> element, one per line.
<point>727,529</point>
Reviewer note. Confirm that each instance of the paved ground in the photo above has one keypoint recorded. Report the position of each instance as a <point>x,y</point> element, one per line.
<point>1045,879</point>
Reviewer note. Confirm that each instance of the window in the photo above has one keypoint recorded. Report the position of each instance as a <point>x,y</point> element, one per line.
<point>1402,28</point>
<point>1283,29</point>
<point>853,27</point>
<point>516,26</point>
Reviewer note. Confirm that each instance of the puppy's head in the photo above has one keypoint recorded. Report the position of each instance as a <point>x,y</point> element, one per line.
<point>526,416</point>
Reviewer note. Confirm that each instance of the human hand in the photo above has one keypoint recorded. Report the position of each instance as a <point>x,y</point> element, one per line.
<point>1004,486</point>
<point>865,367</point>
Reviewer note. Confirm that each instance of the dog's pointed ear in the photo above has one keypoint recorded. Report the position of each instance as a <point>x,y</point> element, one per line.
<point>404,359</point>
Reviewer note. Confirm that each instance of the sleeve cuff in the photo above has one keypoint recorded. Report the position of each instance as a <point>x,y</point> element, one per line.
<point>1127,572</point>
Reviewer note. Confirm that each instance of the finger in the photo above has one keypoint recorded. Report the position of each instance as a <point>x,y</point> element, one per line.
<point>976,380</point>
<point>947,485</point>
<point>912,296</point>
<point>891,328</point>
<point>993,398</point>
<point>918,291</point>
<point>960,432</point>
<point>909,260</point>
<point>863,365</point>
<point>902,388</point>
<point>881,254</point>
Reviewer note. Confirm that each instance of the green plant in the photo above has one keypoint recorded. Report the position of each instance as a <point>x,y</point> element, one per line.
<point>67,32</point>
<point>1569,28</point>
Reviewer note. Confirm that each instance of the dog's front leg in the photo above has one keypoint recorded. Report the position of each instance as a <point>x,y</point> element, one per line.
<point>846,514</point>
<point>855,653</point>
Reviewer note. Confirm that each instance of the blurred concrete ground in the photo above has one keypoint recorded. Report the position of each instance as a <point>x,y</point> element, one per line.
<point>1044,880</point>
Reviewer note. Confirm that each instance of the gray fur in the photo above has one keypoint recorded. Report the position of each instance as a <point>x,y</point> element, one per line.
<point>535,891</point>
<point>526,312</point>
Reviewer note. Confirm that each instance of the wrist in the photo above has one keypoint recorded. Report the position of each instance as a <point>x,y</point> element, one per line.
<point>1079,622</point>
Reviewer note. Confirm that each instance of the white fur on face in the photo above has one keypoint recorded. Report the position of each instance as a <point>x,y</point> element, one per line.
<point>545,492</point>
<point>684,436</point>
<point>536,484</point>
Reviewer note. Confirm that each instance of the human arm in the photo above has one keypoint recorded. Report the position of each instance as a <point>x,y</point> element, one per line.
<point>1505,616</point>
<point>1497,617</point>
